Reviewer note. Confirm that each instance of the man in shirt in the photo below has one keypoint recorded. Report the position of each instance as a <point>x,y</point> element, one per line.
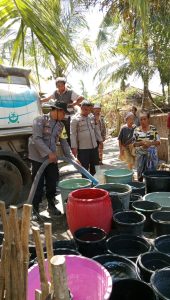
<point>47,130</point>
<point>67,96</point>
<point>84,136</point>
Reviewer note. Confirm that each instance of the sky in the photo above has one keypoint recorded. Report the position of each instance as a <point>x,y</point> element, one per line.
<point>94,18</point>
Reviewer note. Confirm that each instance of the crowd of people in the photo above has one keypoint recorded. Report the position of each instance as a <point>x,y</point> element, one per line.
<point>138,142</point>
<point>81,134</point>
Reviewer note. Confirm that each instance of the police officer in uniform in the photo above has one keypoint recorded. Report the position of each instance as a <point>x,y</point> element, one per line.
<point>85,134</point>
<point>47,130</point>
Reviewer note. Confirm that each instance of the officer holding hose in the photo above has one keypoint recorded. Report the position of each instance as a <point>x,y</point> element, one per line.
<point>47,131</point>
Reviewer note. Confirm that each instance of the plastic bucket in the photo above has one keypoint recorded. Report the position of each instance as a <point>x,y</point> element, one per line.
<point>86,279</point>
<point>162,244</point>
<point>90,241</point>
<point>146,208</point>
<point>152,178</point>
<point>160,282</point>
<point>129,222</point>
<point>132,289</point>
<point>137,187</point>
<point>89,208</point>
<point>119,194</point>
<point>161,221</point>
<point>149,262</point>
<point>68,185</point>
<point>129,246</point>
<point>133,198</point>
<point>119,267</point>
<point>118,176</point>
<point>162,198</point>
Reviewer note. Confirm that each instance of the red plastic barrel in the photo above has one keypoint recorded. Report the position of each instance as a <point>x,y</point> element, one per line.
<point>89,207</point>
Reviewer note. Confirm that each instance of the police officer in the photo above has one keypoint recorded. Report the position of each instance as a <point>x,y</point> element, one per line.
<point>84,136</point>
<point>47,130</point>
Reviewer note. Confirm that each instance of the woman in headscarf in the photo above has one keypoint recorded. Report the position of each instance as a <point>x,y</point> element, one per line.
<point>146,141</point>
<point>125,138</point>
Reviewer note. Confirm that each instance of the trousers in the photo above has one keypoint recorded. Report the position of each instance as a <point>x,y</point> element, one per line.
<point>89,158</point>
<point>50,177</point>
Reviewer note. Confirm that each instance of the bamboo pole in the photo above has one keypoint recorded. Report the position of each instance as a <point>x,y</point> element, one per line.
<point>19,255</point>
<point>2,272</point>
<point>15,283</point>
<point>58,265</point>
<point>49,247</point>
<point>25,228</point>
<point>7,250</point>
<point>40,257</point>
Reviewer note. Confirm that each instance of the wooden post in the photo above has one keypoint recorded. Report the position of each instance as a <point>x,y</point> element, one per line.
<point>25,228</point>
<point>40,257</point>
<point>49,247</point>
<point>58,265</point>
<point>2,273</point>
<point>14,225</point>
<point>7,249</point>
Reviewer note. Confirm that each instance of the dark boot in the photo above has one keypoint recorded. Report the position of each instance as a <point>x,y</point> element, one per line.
<point>52,209</point>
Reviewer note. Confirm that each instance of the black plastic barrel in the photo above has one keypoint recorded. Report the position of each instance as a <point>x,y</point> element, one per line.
<point>137,187</point>
<point>161,221</point>
<point>147,263</point>
<point>91,241</point>
<point>132,289</point>
<point>119,267</point>
<point>129,222</point>
<point>146,208</point>
<point>160,282</point>
<point>133,198</point>
<point>162,244</point>
<point>157,181</point>
<point>129,246</point>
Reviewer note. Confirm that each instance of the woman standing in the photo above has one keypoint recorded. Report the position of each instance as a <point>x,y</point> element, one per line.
<point>125,138</point>
<point>146,142</point>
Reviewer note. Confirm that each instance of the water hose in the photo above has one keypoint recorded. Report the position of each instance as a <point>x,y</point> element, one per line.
<point>46,163</point>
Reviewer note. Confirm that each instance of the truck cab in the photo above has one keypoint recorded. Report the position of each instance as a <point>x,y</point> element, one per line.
<point>19,105</point>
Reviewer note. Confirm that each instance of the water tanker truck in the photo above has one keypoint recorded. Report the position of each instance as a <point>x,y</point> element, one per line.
<point>19,105</point>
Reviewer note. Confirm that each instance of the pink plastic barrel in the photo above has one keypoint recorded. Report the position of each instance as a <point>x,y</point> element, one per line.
<point>87,279</point>
<point>89,208</point>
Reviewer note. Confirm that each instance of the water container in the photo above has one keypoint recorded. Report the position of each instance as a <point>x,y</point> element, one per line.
<point>119,267</point>
<point>160,282</point>
<point>162,244</point>
<point>132,289</point>
<point>161,221</point>
<point>69,185</point>
<point>90,241</point>
<point>118,175</point>
<point>137,187</point>
<point>157,181</point>
<point>129,222</point>
<point>162,198</point>
<point>119,194</point>
<point>129,246</point>
<point>146,208</point>
<point>147,263</point>
<point>89,208</point>
<point>86,279</point>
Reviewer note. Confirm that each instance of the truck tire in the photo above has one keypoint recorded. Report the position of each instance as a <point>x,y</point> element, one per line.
<point>10,183</point>
<point>24,172</point>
